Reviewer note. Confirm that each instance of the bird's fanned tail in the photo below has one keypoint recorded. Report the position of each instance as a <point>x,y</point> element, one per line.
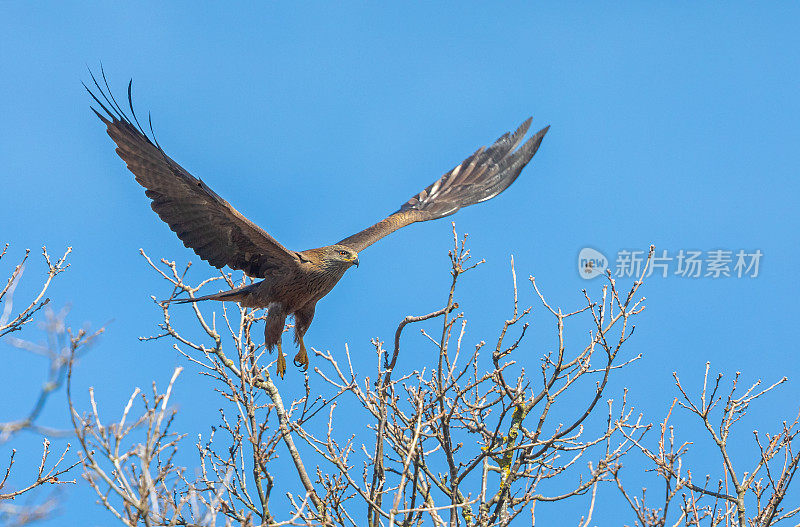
<point>240,294</point>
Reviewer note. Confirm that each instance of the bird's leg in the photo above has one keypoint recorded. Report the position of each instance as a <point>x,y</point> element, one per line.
<point>302,319</point>
<point>301,359</point>
<point>281,361</point>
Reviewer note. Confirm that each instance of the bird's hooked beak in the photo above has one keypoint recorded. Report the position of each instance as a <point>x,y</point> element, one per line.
<point>355,261</point>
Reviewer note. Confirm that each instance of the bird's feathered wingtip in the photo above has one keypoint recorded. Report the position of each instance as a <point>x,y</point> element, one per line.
<point>112,111</point>
<point>538,137</point>
<point>483,175</point>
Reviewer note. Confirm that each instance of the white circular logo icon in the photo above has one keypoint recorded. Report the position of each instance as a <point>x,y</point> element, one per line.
<point>591,263</point>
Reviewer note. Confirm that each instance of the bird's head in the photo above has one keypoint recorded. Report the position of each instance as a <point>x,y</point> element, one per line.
<point>341,256</point>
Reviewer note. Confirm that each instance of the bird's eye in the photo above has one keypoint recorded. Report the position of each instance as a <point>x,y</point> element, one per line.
<point>343,253</point>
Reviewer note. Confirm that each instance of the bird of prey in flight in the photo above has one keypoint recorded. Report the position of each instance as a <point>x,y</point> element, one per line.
<point>293,281</point>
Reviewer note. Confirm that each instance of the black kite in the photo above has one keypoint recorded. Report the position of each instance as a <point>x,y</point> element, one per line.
<point>293,281</point>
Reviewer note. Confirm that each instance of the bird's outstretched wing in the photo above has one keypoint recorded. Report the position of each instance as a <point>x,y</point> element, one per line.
<point>204,221</point>
<point>481,176</point>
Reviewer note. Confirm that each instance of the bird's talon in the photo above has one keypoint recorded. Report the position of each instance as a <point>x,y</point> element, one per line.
<point>281,368</point>
<point>301,359</point>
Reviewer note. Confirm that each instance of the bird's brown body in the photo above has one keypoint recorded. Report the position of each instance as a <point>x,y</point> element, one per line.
<point>292,291</point>
<point>293,281</point>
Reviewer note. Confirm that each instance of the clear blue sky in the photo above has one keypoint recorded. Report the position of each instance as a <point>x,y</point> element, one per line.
<point>673,125</point>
